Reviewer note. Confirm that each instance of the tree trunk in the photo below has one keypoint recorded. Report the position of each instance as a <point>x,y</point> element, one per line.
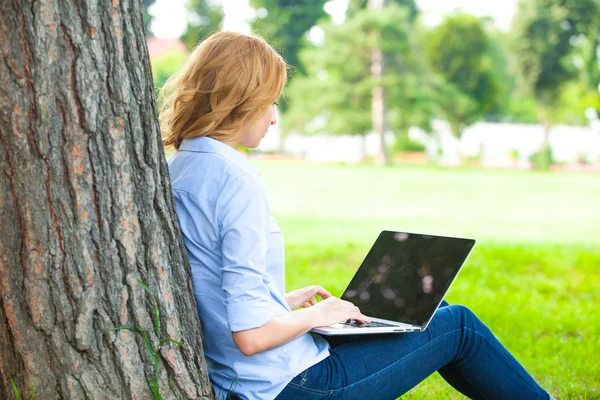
<point>543,158</point>
<point>378,102</point>
<point>456,129</point>
<point>86,211</point>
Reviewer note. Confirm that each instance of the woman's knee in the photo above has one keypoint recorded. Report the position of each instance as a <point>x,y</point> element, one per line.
<point>468,320</point>
<point>462,310</point>
<point>460,316</point>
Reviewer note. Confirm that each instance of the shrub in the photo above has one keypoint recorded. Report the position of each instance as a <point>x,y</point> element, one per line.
<point>405,144</point>
<point>165,65</point>
<point>542,159</point>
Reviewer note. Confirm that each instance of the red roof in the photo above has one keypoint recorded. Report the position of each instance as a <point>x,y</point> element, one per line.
<point>158,46</point>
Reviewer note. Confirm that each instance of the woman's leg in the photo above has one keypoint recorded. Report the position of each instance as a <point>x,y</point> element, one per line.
<point>455,379</point>
<point>456,342</point>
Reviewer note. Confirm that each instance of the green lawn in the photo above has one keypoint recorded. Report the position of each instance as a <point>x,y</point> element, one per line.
<point>533,277</point>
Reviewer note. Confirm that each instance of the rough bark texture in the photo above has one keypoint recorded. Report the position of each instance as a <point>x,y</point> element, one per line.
<point>86,210</point>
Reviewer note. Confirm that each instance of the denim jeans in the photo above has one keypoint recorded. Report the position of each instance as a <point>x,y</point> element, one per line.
<point>378,367</point>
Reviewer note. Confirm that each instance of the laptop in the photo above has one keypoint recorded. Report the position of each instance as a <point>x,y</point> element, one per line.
<point>402,282</point>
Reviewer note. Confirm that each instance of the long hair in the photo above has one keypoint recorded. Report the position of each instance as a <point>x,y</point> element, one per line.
<point>228,79</point>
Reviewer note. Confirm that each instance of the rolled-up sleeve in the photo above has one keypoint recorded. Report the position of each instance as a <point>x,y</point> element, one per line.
<point>244,213</point>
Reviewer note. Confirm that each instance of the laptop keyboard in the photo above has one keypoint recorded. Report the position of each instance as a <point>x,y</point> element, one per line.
<point>372,324</point>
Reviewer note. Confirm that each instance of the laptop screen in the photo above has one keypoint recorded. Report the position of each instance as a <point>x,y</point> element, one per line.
<point>405,276</point>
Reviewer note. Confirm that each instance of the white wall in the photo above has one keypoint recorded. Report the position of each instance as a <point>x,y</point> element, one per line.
<point>495,142</point>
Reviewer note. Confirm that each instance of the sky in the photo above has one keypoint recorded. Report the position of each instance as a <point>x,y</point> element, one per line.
<point>170,15</point>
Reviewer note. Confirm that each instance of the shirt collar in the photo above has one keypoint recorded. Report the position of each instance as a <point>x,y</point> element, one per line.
<point>205,144</point>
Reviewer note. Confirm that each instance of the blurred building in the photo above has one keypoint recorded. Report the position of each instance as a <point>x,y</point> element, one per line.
<point>158,46</point>
<point>494,144</point>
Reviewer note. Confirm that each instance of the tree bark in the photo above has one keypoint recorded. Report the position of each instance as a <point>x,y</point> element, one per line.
<point>378,101</point>
<point>86,211</point>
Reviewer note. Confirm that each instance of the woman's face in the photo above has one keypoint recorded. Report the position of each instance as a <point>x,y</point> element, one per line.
<point>258,131</point>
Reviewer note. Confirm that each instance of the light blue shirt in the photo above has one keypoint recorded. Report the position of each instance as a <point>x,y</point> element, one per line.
<point>235,249</point>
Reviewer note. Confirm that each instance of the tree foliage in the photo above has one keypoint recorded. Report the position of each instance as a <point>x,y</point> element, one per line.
<point>545,38</point>
<point>338,84</point>
<point>286,24</point>
<point>357,5</point>
<point>544,34</point>
<point>204,18</point>
<point>458,50</point>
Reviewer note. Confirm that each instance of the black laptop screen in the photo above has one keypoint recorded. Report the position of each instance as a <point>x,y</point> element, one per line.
<point>405,276</point>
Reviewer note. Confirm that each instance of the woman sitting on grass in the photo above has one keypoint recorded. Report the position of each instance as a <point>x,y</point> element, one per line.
<point>255,341</point>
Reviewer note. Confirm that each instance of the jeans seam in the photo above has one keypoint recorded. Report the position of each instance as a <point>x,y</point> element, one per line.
<point>409,354</point>
<point>310,390</point>
<point>303,374</point>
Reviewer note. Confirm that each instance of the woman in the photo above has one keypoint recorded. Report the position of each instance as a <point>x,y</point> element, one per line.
<point>255,344</point>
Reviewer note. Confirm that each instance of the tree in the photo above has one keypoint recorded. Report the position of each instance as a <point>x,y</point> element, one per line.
<point>285,24</point>
<point>378,66</point>
<point>87,218</point>
<point>378,94</point>
<point>587,60</point>
<point>357,5</point>
<point>339,72</point>
<point>457,50</point>
<point>204,18</point>
<point>544,32</point>
<point>592,60</point>
<point>411,96</point>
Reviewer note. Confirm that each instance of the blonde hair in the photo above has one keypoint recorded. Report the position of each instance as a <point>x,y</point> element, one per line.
<point>228,79</point>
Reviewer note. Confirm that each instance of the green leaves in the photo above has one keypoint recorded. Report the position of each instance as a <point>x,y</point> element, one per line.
<point>546,37</point>
<point>204,18</point>
<point>338,81</point>
<point>286,24</point>
<point>458,51</point>
<point>542,43</point>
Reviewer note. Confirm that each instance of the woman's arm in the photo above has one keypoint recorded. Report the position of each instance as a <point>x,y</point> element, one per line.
<point>244,231</point>
<point>285,328</point>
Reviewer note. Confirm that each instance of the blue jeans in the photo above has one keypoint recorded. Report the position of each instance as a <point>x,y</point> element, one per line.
<point>456,344</point>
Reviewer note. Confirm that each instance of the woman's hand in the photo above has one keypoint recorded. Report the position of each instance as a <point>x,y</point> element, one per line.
<point>305,297</point>
<point>334,310</point>
<point>284,328</point>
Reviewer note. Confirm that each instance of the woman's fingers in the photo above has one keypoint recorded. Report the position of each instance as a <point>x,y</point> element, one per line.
<point>310,302</point>
<point>362,318</point>
<point>356,314</point>
<point>308,294</point>
<point>322,292</point>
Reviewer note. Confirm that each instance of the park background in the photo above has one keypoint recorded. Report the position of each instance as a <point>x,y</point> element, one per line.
<point>489,114</point>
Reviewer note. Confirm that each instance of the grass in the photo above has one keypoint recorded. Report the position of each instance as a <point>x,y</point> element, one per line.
<point>533,277</point>
<point>353,203</point>
<point>17,393</point>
